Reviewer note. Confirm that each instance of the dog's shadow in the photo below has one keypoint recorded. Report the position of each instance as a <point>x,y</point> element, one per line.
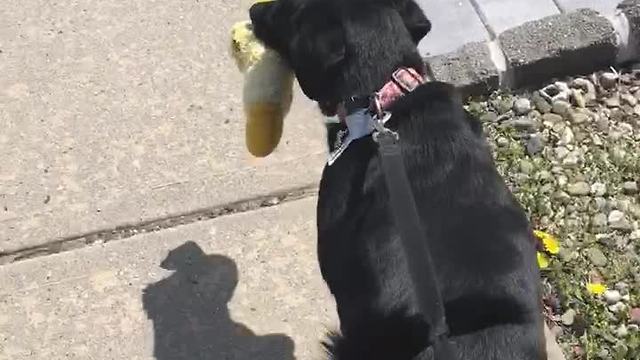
<point>190,314</point>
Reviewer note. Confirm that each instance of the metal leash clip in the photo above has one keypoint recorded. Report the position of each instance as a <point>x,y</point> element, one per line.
<point>380,117</point>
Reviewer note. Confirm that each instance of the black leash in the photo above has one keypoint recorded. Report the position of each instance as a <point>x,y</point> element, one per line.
<point>413,237</point>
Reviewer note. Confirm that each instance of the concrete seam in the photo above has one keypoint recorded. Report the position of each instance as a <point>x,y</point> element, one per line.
<point>483,19</point>
<point>622,26</point>
<point>499,59</point>
<point>561,8</point>
<point>130,230</point>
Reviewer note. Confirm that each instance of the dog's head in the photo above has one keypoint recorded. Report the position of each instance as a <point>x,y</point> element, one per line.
<point>341,48</point>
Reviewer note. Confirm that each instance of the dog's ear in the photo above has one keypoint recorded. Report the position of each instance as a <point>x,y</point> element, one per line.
<point>266,27</point>
<point>414,19</point>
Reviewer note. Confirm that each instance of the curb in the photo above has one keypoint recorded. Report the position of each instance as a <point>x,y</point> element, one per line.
<point>531,54</point>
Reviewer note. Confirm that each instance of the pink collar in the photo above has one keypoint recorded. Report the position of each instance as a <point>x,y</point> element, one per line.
<point>403,81</point>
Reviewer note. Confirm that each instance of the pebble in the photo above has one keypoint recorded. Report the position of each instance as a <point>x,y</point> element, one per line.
<point>608,80</point>
<point>630,188</point>
<point>567,136</point>
<point>602,124</point>
<point>560,152</point>
<point>489,117</point>
<point>552,118</point>
<point>526,166</point>
<point>587,87</point>
<point>522,123</point>
<point>622,286</point>
<point>522,106</point>
<point>503,104</point>
<point>579,189</point>
<point>502,141</point>
<point>572,160</point>
<point>634,316</point>
<point>613,101</point>
<point>560,107</point>
<point>598,189</point>
<point>599,222</point>
<point>612,296</point>
<point>597,257</point>
<point>601,204</point>
<point>634,210</point>
<point>578,98</point>
<point>617,307</point>
<point>629,99</point>
<point>622,332</point>
<point>577,117</point>
<point>534,145</point>
<point>540,103</point>
<point>568,317</point>
<point>615,216</point>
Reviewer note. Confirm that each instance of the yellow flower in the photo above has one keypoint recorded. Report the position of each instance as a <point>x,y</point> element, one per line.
<point>543,260</point>
<point>550,243</point>
<point>596,288</point>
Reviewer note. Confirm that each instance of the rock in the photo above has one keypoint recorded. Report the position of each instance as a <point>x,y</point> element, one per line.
<point>540,103</point>
<point>612,296</point>
<point>599,222</point>
<point>622,225</point>
<point>568,317</point>
<point>634,316</point>
<point>602,124</point>
<point>522,106</point>
<point>615,216</point>
<point>598,189</point>
<point>578,99</point>
<point>566,137</point>
<point>629,99</point>
<point>526,166</point>
<point>502,141</point>
<point>534,145</point>
<point>579,189</point>
<point>612,101</point>
<point>622,286</point>
<point>630,188</point>
<point>622,332</point>
<point>634,210</point>
<point>522,123</point>
<point>489,117</point>
<point>608,80</point>
<point>587,87</point>
<point>617,307</point>
<point>552,118</point>
<point>572,160</point>
<point>600,204</point>
<point>503,104</point>
<point>560,152</point>
<point>578,117</point>
<point>596,256</point>
<point>560,107</point>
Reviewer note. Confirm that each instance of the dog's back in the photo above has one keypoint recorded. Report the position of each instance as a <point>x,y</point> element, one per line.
<point>477,234</point>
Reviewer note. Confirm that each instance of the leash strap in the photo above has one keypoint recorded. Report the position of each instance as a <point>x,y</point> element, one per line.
<point>413,237</point>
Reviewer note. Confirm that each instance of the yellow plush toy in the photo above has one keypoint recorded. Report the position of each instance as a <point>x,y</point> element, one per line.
<point>267,92</point>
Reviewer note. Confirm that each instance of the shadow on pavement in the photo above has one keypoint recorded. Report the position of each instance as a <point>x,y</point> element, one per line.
<point>190,315</point>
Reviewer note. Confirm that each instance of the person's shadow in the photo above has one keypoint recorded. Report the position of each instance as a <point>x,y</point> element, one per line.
<point>190,316</point>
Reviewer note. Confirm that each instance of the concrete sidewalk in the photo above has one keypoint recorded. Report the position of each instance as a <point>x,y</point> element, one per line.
<point>240,287</point>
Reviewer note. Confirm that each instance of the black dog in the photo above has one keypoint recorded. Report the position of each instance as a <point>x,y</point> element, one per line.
<point>478,235</point>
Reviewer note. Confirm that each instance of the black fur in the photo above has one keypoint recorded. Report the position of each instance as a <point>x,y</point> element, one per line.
<point>478,235</point>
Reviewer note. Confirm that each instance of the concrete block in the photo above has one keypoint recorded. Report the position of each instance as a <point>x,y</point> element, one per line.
<point>470,68</point>
<point>604,7</point>
<point>502,15</point>
<point>574,43</point>
<point>454,23</point>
